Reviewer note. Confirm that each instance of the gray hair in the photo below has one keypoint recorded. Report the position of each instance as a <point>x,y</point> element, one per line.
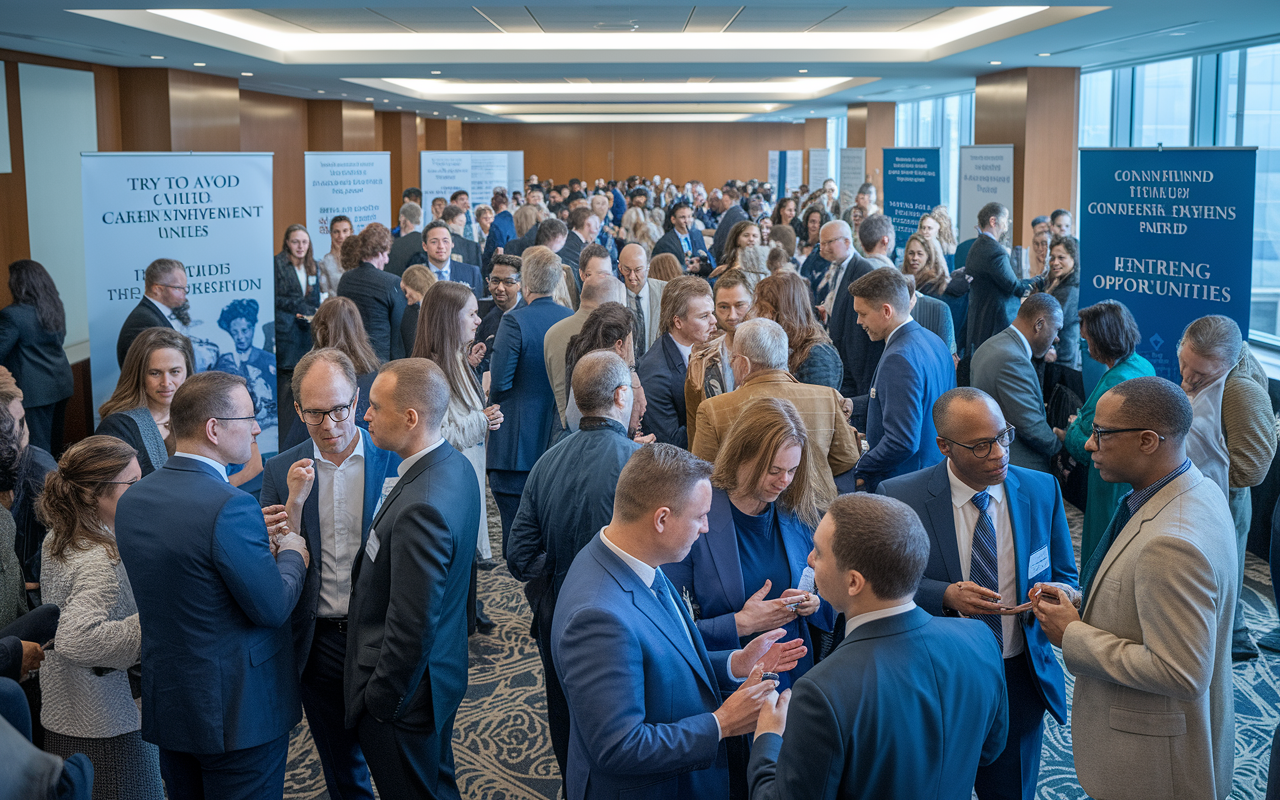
<point>596,376</point>
<point>540,270</point>
<point>1214,337</point>
<point>763,342</point>
<point>161,269</point>
<point>412,212</point>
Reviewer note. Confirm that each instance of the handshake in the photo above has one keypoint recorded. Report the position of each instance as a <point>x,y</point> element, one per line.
<point>279,535</point>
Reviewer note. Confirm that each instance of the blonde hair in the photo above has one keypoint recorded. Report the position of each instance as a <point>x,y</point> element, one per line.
<point>418,278</point>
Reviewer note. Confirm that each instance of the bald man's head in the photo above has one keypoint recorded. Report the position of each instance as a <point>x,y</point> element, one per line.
<point>599,289</point>
<point>633,266</point>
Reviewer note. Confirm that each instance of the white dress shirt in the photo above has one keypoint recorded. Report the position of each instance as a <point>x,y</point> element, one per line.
<point>965,516</point>
<point>1026,346</point>
<point>894,332</point>
<point>301,272</point>
<point>221,469</point>
<point>443,270</point>
<point>862,619</point>
<point>165,311</point>
<point>829,301</point>
<point>340,489</point>
<point>685,350</point>
<point>649,321</point>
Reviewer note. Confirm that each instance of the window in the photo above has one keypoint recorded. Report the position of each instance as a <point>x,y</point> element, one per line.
<point>942,122</point>
<point>1095,109</point>
<point>1162,104</point>
<point>1257,125</point>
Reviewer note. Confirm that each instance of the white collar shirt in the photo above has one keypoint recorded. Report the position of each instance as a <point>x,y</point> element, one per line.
<point>862,619</point>
<point>165,311</point>
<point>1026,346</point>
<point>340,496</point>
<point>221,469</point>
<point>649,321</point>
<point>965,516</point>
<point>895,331</point>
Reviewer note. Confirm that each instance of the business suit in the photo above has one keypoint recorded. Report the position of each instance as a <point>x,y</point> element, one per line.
<point>381,305</point>
<point>1043,553</point>
<point>555,347</point>
<point>573,244</point>
<point>652,310</point>
<point>915,370</point>
<point>403,249</point>
<point>994,291</point>
<point>935,316</point>
<point>406,661</point>
<point>219,687</point>
<point>907,706</point>
<point>466,250</point>
<point>144,315</point>
<point>518,246</point>
<point>36,359</point>
<point>1152,657</point>
<point>320,661</point>
<point>662,371</point>
<point>641,693</point>
<point>670,243</point>
<point>859,354</point>
<point>459,272</point>
<point>501,231</point>
<point>732,216</point>
<point>293,335</point>
<point>1002,368</point>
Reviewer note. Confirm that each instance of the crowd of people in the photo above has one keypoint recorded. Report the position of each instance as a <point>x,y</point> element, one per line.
<point>788,502</point>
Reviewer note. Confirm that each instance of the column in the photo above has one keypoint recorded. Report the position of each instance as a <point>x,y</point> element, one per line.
<point>871,125</point>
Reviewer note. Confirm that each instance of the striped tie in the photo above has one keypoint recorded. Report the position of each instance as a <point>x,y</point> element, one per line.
<point>984,564</point>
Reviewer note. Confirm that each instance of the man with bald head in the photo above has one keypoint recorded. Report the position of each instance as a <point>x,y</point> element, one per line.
<point>597,289</point>
<point>644,295</point>
<point>857,352</point>
<point>995,532</point>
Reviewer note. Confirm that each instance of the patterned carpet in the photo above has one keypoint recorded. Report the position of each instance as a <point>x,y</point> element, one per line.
<point>503,747</point>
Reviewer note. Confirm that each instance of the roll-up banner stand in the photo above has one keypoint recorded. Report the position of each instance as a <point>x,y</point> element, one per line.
<point>853,173</point>
<point>986,176</point>
<point>355,185</point>
<point>912,188</point>
<point>210,211</point>
<point>819,167</point>
<point>444,172</point>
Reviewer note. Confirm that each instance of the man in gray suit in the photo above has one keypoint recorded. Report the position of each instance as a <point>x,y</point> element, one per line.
<point>644,295</point>
<point>1153,712</point>
<point>1002,368</point>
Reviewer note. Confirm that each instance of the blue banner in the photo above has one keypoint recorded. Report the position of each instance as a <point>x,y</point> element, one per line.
<point>1169,233</point>
<point>912,187</point>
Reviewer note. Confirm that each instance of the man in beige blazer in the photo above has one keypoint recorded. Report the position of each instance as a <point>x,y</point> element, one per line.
<point>758,358</point>
<point>596,290</point>
<point>1153,716</point>
<point>644,295</point>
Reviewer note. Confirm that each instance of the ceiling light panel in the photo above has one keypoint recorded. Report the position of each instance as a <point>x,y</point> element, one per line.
<point>591,19</point>
<point>466,91</point>
<point>582,118</point>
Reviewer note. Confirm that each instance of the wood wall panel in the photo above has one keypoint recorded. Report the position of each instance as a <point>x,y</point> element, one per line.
<point>400,138</point>
<point>358,126</point>
<point>453,134</point>
<point>15,241</point>
<point>106,89</point>
<point>204,111</point>
<point>379,120</point>
<point>144,110</point>
<point>434,136</point>
<point>275,124</point>
<point>881,124</point>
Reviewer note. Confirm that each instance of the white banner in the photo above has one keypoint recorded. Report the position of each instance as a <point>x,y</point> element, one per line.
<point>819,167</point>
<point>444,172</point>
<point>986,175</point>
<point>786,170</point>
<point>212,212</point>
<point>355,185</point>
<point>853,173</point>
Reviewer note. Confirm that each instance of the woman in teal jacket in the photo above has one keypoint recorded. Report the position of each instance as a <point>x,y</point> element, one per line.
<point>1109,331</point>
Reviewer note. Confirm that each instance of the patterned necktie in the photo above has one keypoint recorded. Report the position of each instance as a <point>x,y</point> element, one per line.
<point>984,563</point>
<point>439,274</point>
<point>665,593</point>
<point>640,337</point>
<point>467,230</point>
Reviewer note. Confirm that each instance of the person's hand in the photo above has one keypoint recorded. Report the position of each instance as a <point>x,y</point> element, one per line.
<point>1054,610</point>
<point>805,603</point>
<point>277,521</point>
<point>32,655</point>
<point>1051,356</point>
<point>759,614</point>
<point>499,251</point>
<point>741,710</point>
<point>494,414</point>
<point>1060,433</point>
<point>294,542</point>
<point>301,477</point>
<point>773,713</point>
<point>1071,420</point>
<point>846,407</point>
<point>969,598</point>
<point>475,354</point>
<point>645,439</point>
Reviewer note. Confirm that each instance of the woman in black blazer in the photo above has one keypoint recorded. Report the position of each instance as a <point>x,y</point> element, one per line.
<point>297,297</point>
<point>32,332</point>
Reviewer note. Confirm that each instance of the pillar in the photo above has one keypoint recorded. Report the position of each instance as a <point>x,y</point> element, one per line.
<point>872,125</point>
<point>340,125</point>
<point>174,110</point>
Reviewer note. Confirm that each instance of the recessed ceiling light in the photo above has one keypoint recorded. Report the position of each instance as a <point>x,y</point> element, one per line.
<point>369,99</point>
<point>1044,55</point>
<point>247,74</point>
<point>995,63</point>
<point>198,64</point>
<point>804,70</point>
<point>319,91</point>
<point>435,72</point>
<point>1178,33</point>
<point>437,113</point>
<point>158,58</point>
<point>399,108</point>
<point>344,94</point>
<point>385,100</point>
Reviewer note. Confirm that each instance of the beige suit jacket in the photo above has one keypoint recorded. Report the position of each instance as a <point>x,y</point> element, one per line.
<point>555,346</point>
<point>833,448</point>
<point>1153,716</point>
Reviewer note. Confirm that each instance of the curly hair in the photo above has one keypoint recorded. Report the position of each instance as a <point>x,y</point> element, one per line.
<point>242,308</point>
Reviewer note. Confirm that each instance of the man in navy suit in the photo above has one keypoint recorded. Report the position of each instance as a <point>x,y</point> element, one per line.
<point>915,370</point>
<point>519,383</point>
<point>907,705</point>
<point>685,243</point>
<point>337,475</point>
<point>406,660</point>
<point>501,231</point>
<point>688,318</point>
<point>437,254</point>
<point>648,718</point>
<point>465,249</point>
<point>731,214</point>
<point>583,229</point>
<point>859,354</point>
<point>165,291</point>
<point>983,562</point>
<point>214,595</point>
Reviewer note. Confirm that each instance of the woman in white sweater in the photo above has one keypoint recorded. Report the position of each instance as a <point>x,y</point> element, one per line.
<point>88,706</point>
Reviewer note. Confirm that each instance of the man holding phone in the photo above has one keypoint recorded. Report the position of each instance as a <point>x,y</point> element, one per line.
<point>684,242</point>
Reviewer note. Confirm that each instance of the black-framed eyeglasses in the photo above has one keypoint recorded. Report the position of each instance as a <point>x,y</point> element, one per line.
<point>982,449</point>
<point>182,289</point>
<point>314,416</point>
<point>1099,433</point>
<point>504,281</point>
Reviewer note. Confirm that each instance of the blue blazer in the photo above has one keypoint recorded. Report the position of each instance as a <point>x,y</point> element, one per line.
<point>378,466</point>
<point>915,370</point>
<point>905,707</point>
<point>1040,538</point>
<point>214,605</point>
<point>662,370</point>
<point>34,356</point>
<point>459,272</point>
<point>518,382</point>
<point>501,231</point>
<point>670,243</point>
<point>640,697</point>
<point>712,576</point>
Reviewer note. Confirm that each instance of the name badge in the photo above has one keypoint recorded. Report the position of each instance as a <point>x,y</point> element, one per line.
<point>371,546</point>
<point>1039,562</point>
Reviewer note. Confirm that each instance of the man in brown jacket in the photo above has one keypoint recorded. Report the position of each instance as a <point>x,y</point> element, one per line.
<point>758,358</point>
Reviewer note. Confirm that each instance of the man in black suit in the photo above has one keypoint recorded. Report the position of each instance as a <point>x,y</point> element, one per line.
<point>406,667</point>
<point>687,319</point>
<point>409,243</point>
<point>164,298</point>
<point>859,354</point>
<point>504,288</point>
<point>683,242</point>
<point>994,289</point>
<point>437,254</point>
<point>465,250</point>
<point>733,213</point>
<point>583,229</point>
<point>550,233</point>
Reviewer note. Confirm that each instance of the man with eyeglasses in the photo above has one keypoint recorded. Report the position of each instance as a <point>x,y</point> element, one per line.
<point>215,588</point>
<point>338,475</point>
<point>164,300</point>
<point>1153,712</point>
<point>504,288</point>
<point>858,352</point>
<point>996,531</point>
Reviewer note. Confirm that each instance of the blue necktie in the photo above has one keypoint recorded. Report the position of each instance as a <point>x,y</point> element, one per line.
<point>665,593</point>
<point>984,562</point>
<point>684,242</point>
<point>466,229</point>
<point>439,274</point>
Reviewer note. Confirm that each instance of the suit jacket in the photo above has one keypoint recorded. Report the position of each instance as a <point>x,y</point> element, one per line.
<point>409,327</point>
<point>381,305</point>
<point>403,249</point>
<point>907,683</point>
<point>459,272</point>
<point>573,245</point>
<point>144,315</point>
<point>915,370</point>
<point>1002,369</point>
<point>662,370</point>
<point>653,312</point>
<point>994,291</point>
<point>466,251</point>
<point>518,382</point>
<point>670,243</point>
<point>728,219</point>
<point>378,466</point>
<point>518,246</point>
<point>293,335</point>
<point>1152,657</point>
<point>407,626</point>
<point>34,356</point>
<point>859,354</point>
<point>555,347</point>
<point>641,696</point>
<point>1041,540</point>
<point>501,231</point>
<point>214,607</point>
<point>819,406</point>
<point>935,316</point>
